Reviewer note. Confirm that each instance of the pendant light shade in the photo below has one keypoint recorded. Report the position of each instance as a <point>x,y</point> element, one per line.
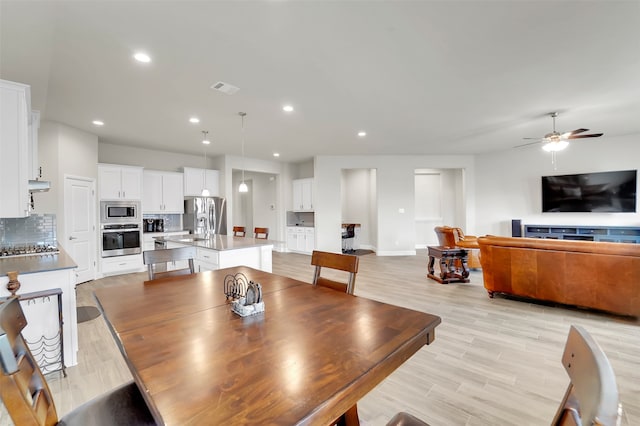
<point>205,192</point>
<point>243,186</point>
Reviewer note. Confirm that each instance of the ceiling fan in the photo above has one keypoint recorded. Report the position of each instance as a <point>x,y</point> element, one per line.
<point>556,141</point>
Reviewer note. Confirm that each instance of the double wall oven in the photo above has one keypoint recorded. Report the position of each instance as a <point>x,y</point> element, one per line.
<point>120,228</point>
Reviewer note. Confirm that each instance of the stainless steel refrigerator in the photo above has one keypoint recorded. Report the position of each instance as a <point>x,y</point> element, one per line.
<point>205,215</point>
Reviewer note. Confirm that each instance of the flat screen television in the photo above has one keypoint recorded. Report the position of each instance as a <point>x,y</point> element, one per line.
<point>604,192</point>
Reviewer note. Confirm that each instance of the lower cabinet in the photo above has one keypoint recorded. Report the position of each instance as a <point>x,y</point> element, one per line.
<point>121,264</point>
<point>206,260</point>
<point>301,239</point>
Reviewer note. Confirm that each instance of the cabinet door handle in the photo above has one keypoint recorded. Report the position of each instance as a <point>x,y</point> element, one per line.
<point>72,238</point>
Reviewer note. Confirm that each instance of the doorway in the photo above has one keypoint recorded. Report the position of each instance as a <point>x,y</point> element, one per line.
<point>439,200</point>
<point>258,206</point>
<point>359,206</point>
<point>80,225</point>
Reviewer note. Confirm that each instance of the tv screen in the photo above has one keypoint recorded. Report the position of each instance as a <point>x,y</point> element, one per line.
<point>590,192</point>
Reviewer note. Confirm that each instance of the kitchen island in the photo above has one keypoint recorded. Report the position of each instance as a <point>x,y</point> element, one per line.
<point>224,251</point>
<point>44,273</point>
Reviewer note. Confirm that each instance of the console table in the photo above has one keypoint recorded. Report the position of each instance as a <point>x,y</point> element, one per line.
<point>453,264</point>
<point>611,234</point>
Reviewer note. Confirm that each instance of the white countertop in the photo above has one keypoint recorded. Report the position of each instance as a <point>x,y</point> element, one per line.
<point>216,242</point>
<point>36,263</point>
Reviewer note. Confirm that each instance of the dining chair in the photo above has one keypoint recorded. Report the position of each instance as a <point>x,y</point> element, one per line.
<point>26,394</point>
<point>342,262</point>
<point>347,263</point>
<point>153,258</point>
<point>592,395</point>
<point>239,231</point>
<point>261,233</point>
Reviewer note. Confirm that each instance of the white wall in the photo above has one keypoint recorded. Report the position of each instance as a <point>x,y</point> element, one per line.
<point>395,191</point>
<point>151,159</point>
<point>508,183</point>
<point>63,150</point>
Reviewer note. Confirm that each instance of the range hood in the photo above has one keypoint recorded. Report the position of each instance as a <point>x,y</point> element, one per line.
<point>39,185</point>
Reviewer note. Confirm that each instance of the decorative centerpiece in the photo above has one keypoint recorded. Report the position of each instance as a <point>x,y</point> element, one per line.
<point>245,295</point>
<point>13,285</point>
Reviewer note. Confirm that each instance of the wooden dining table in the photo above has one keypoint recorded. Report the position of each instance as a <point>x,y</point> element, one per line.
<point>308,358</point>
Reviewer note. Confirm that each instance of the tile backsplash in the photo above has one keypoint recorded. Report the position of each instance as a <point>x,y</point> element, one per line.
<point>172,222</point>
<point>35,229</point>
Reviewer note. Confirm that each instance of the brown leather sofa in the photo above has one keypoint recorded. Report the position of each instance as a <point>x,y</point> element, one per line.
<point>454,237</point>
<point>597,275</point>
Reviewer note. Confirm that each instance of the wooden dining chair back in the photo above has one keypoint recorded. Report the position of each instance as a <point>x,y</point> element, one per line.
<point>26,394</point>
<point>592,395</point>
<point>261,233</point>
<point>239,231</point>
<point>342,262</point>
<point>154,258</point>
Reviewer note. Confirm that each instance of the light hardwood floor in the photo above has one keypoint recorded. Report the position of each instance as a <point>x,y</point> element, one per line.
<point>494,361</point>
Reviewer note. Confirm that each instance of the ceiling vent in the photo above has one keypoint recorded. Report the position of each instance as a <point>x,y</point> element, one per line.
<point>223,87</point>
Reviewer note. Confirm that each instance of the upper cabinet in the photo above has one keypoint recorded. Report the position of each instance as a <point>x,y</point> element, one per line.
<point>119,182</point>
<point>303,194</point>
<point>195,180</point>
<point>163,193</point>
<point>32,156</point>
<point>15,115</point>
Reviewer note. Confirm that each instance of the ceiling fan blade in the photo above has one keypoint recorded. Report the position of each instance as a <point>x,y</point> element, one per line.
<point>575,132</point>
<point>536,139</point>
<point>593,135</point>
<point>527,144</point>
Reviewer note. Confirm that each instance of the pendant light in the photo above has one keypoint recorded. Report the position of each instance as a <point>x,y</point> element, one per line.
<point>205,142</point>
<point>243,186</point>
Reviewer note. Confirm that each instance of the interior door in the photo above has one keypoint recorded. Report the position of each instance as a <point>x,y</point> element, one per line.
<point>80,232</point>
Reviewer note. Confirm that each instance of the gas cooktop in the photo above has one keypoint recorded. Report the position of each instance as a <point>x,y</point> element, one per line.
<point>28,250</point>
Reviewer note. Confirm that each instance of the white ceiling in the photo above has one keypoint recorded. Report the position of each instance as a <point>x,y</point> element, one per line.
<point>421,77</point>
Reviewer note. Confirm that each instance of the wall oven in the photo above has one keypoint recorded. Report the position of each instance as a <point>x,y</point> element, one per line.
<point>121,239</point>
<point>120,212</point>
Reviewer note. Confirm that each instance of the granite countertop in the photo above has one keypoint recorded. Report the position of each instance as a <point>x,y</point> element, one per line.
<point>302,225</point>
<point>36,263</point>
<point>216,242</point>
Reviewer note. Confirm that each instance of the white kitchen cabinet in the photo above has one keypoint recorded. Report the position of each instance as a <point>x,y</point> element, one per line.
<point>196,179</point>
<point>15,112</point>
<point>34,126</point>
<point>303,194</point>
<point>65,280</point>
<point>121,264</point>
<point>117,182</point>
<point>163,192</point>
<point>206,260</point>
<point>300,239</point>
<point>309,240</point>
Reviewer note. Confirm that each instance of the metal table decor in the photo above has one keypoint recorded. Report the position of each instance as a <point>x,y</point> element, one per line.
<point>245,295</point>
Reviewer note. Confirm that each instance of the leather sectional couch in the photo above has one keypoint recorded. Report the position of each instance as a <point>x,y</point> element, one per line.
<point>597,275</point>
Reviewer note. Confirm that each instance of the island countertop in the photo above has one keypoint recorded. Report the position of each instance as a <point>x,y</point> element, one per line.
<point>36,263</point>
<point>216,242</point>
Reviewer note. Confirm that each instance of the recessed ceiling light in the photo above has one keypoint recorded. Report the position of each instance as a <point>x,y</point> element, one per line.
<point>276,154</point>
<point>194,120</point>
<point>142,57</point>
<point>206,141</point>
<point>362,134</point>
<point>98,122</point>
<point>287,108</point>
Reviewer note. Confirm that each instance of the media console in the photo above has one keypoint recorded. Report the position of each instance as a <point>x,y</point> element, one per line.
<point>611,234</point>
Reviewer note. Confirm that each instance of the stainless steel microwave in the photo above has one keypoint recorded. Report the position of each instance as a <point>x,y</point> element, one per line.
<point>120,211</point>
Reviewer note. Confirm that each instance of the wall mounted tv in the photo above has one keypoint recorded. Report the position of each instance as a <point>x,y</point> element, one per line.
<point>602,192</point>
